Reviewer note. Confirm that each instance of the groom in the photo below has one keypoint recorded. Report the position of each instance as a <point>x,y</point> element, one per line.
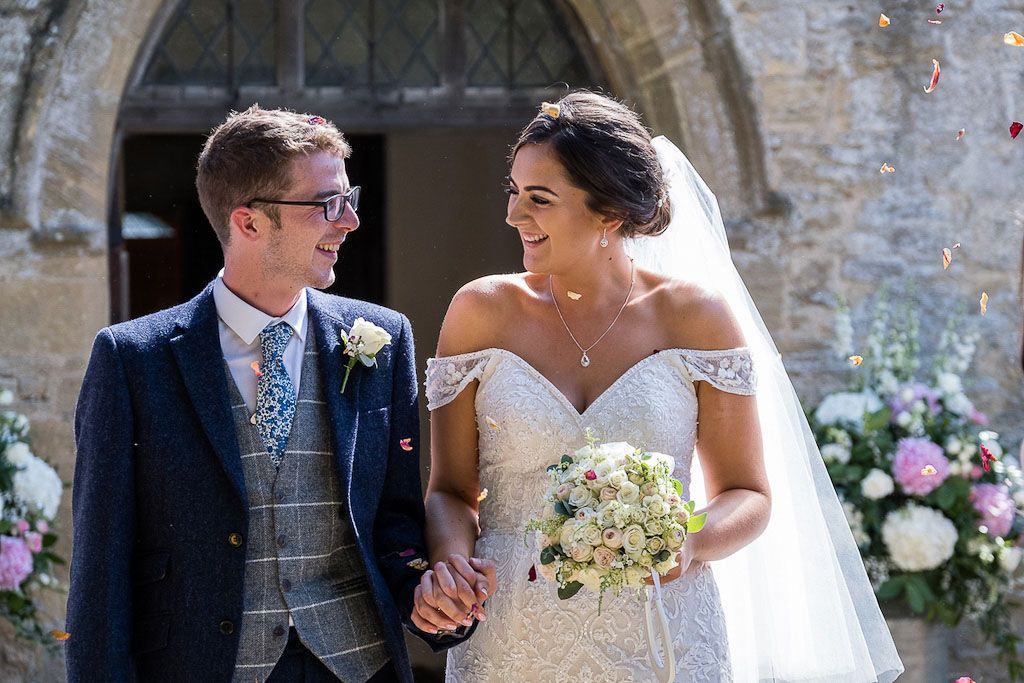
<point>237,516</point>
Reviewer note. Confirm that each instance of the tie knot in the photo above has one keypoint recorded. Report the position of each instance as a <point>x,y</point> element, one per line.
<point>273,340</point>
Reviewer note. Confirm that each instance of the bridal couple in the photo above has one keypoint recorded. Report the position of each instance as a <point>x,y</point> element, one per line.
<point>247,500</point>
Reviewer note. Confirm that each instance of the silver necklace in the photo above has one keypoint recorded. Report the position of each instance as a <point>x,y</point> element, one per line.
<point>585,359</point>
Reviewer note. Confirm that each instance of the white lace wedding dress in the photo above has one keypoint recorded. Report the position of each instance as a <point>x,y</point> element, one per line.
<point>525,423</point>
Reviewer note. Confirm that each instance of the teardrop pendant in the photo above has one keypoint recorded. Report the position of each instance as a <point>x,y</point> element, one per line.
<point>585,361</point>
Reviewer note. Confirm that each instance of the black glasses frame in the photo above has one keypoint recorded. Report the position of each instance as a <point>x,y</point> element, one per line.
<point>351,198</point>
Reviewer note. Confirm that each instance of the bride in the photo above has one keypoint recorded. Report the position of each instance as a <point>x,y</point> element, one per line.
<point>631,322</point>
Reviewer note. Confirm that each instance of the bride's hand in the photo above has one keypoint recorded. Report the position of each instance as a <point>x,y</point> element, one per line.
<point>471,581</point>
<point>685,558</point>
<point>434,611</point>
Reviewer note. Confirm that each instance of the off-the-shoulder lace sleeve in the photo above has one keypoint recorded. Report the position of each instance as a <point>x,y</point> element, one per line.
<point>730,370</point>
<point>448,376</point>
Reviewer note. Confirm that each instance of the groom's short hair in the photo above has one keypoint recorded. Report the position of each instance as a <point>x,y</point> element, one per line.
<point>250,155</point>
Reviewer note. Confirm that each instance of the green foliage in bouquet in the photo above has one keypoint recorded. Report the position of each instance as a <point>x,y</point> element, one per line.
<point>30,493</point>
<point>934,503</point>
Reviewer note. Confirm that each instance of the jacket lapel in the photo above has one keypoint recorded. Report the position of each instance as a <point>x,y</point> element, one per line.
<point>201,362</point>
<point>343,408</point>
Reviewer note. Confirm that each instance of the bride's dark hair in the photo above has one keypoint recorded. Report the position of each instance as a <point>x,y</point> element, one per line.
<point>607,153</point>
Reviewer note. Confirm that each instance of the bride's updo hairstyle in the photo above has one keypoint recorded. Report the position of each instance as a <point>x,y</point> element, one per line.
<point>606,152</point>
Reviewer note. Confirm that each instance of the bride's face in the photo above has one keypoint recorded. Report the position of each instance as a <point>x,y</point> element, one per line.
<point>556,226</point>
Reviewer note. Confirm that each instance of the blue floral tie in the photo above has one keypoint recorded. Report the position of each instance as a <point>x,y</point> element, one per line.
<point>275,394</point>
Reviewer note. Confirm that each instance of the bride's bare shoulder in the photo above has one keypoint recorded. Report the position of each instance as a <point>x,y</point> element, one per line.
<point>698,318</point>
<point>480,310</point>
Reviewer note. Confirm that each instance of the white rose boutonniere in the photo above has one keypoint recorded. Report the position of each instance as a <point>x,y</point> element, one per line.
<point>362,343</point>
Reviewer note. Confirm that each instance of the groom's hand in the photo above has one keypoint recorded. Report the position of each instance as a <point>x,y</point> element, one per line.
<point>479,577</point>
<point>434,611</point>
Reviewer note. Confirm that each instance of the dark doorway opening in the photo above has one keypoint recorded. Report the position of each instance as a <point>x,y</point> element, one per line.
<point>172,252</point>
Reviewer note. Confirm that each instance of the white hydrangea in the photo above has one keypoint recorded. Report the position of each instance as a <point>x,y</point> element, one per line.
<point>855,518</point>
<point>918,538</point>
<point>876,485</point>
<point>38,485</point>
<point>1009,560</point>
<point>835,452</point>
<point>949,383</point>
<point>18,454</point>
<point>959,404</point>
<point>847,408</point>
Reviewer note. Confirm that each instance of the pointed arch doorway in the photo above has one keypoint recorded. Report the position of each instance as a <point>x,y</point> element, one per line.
<point>430,93</point>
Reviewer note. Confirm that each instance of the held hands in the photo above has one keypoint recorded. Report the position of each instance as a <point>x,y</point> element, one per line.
<point>452,594</point>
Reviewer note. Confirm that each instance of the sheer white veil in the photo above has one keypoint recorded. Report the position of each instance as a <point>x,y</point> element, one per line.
<point>797,600</point>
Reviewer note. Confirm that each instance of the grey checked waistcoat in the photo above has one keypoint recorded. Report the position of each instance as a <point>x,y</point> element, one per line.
<point>300,557</point>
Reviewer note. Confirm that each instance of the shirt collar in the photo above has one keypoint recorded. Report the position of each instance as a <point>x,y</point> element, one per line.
<point>246,321</point>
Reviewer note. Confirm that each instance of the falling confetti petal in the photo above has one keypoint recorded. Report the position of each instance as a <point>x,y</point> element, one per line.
<point>575,296</point>
<point>60,635</point>
<point>928,471</point>
<point>252,420</point>
<point>947,258</point>
<point>935,76</point>
<point>960,134</point>
<point>1013,38</point>
<point>856,360</point>
<point>552,110</point>
<point>986,457</point>
<point>938,8</point>
<point>1015,128</point>
<point>491,423</point>
<point>317,120</point>
<point>934,21</point>
<point>984,303</point>
<point>482,496</point>
<point>883,21</point>
<point>255,365</point>
<point>886,168</point>
<point>965,679</point>
<point>419,564</point>
<point>408,552</point>
<point>406,444</point>
<point>532,576</point>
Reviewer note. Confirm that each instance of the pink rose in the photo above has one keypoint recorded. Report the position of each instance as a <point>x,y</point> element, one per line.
<point>608,493</point>
<point>15,562</point>
<point>42,527</point>
<point>603,557</point>
<point>34,541</point>
<point>21,525</point>
<point>995,506</point>
<point>909,467</point>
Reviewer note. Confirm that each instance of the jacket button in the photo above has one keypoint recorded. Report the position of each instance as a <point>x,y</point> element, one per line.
<point>235,539</point>
<point>227,628</point>
<point>278,631</point>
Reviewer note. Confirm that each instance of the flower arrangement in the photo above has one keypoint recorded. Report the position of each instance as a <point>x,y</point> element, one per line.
<point>612,515</point>
<point>30,493</point>
<point>933,502</point>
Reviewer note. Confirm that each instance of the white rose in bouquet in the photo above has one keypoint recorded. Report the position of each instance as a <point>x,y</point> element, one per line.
<point>629,493</point>
<point>612,537</point>
<point>582,552</point>
<point>634,539</point>
<point>877,485</point>
<point>617,451</point>
<point>580,496</point>
<point>617,478</point>
<point>918,538</point>
<point>603,557</point>
<point>591,535</point>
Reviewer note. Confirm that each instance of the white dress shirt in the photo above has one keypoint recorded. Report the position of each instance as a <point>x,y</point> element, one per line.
<point>240,325</point>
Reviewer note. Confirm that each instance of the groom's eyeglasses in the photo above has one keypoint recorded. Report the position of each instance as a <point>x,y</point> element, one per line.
<point>333,206</point>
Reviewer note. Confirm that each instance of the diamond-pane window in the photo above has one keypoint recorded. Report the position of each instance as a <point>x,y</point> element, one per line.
<point>194,47</point>
<point>337,42</point>
<point>406,43</point>
<point>216,44</point>
<point>520,43</point>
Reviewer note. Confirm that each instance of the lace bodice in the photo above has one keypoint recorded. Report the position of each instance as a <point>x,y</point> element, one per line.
<point>525,423</point>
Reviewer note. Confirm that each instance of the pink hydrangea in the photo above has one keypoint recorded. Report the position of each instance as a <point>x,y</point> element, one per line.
<point>913,455</point>
<point>15,562</point>
<point>995,506</point>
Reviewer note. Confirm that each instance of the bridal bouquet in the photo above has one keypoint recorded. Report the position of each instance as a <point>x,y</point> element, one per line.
<point>30,493</point>
<point>612,515</point>
<point>934,503</point>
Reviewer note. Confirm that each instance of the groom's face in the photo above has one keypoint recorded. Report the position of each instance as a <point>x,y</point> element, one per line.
<point>304,249</point>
